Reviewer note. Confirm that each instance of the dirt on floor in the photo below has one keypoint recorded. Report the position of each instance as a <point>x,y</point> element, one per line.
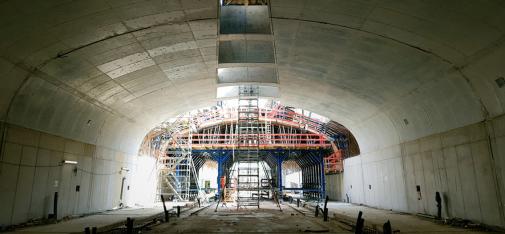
<point>401,222</point>
<point>268,219</point>
<point>293,219</point>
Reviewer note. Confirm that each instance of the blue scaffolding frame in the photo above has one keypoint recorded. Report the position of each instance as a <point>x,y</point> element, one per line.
<point>311,161</point>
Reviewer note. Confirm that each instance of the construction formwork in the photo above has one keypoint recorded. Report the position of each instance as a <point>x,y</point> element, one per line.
<point>310,161</point>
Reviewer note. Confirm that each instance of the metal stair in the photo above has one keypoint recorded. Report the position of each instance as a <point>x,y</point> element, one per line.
<point>176,168</point>
<point>267,187</point>
<point>248,178</point>
<point>266,183</point>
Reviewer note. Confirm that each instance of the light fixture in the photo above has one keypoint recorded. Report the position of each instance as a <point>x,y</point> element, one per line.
<point>69,162</point>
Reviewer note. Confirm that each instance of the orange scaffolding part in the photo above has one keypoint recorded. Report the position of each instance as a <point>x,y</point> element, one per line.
<point>277,113</point>
<point>276,140</point>
<point>318,138</point>
<point>333,163</point>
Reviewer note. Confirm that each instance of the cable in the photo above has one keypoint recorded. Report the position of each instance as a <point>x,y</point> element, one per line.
<point>26,165</point>
<point>54,166</point>
<point>93,173</point>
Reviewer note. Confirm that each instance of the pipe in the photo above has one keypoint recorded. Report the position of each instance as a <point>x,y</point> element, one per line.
<point>129,225</point>
<point>323,179</point>
<point>165,211</point>
<point>279,174</point>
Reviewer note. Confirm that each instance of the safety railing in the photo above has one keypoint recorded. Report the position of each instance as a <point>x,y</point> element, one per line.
<point>265,140</point>
<point>333,163</point>
<point>277,113</point>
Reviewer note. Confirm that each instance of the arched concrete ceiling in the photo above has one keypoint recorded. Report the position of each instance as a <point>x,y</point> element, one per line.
<point>370,65</point>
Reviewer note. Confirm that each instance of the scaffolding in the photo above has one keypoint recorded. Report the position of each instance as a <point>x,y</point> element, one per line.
<point>247,153</point>
<point>245,133</point>
<point>333,163</point>
<point>175,166</point>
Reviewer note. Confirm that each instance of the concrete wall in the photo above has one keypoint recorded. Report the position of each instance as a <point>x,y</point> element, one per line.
<point>466,165</point>
<point>333,187</point>
<point>31,171</point>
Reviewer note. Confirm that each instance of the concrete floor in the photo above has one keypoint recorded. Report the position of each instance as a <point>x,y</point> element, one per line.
<point>267,219</point>
<point>101,220</point>
<point>406,223</point>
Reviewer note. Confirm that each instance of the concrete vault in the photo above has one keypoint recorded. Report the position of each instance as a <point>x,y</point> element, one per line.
<point>420,84</point>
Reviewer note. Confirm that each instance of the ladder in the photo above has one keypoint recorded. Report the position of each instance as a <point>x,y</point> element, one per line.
<point>268,131</point>
<point>248,183</point>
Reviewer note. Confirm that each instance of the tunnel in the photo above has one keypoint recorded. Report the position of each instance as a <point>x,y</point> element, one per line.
<point>415,89</point>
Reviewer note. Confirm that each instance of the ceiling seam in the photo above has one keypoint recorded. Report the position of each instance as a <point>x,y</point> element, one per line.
<point>493,45</point>
<point>63,54</point>
<point>483,52</point>
<point>36,72</point>
<point>445,60</point>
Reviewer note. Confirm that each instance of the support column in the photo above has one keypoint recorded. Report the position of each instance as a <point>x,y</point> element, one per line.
<point>304,179</point>
<point>221,160</point>
<point>219,174</point>
<point>279,173</point>
<point>323,180</point>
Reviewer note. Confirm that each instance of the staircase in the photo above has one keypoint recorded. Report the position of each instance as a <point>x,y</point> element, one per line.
<point>266,183</point>
<point>176,166</point>
<point>248,183</point>
<point>267,187</point>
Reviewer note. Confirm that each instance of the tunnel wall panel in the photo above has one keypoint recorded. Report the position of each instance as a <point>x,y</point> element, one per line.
<point>466,165</point>
<point>9,86</point>
<point>32,171</point>
<point>497,138</point>
<point>333,186</point>
<point>383,187</point>
<point>44,106</point>
<point>353,180</point>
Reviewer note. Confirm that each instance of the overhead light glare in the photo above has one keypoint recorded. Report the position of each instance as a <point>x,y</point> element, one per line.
<point>69,162</point>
